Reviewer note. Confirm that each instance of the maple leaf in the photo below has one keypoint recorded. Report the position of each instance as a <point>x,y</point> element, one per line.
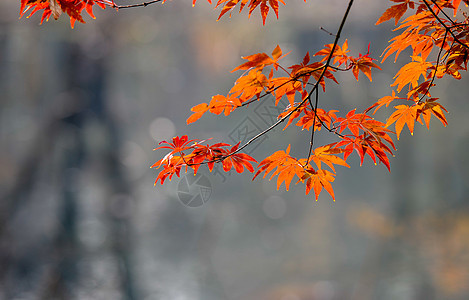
<point>365,144</point>
<point>422,21</point>
<point>261,60</point>
<point>198,110</point>
<point>371,141</point>
<point>323,116</point>
<point>253,4</point>
<point>258,61</point>
<point>363,63</point>
<point>356,122</point>
<point>294,110</point>
<point>429,107</point>
<point>198,156</point>
<point>421,89</point>
<point>73,8</point>
<point>220,103</point>
<point>456,60</point>
<point>250,85</point>
<point>326,154</point>
<point>422,45</point>
<point>193,2</point>
<point>411,72</point>
<point>379,149</point>
<point>286,167</point>
<point>171,165</point>
<point>386,100</point>
<point>427,31</point>
<point>179,144</point>
<point>315,69</point>
<point>285,86</point>
<point>201,154</point>
<point>317,180</point>
<point>229,5</point>
<point>217,105</point>
<point>404,115</point>
<point>238,160</point>
<point>264,7</point>
<point>305,71</point>
<point>206,153</point>
<point>101,3</point>
<point>340,53</point>
<point>456,4</point>
<point>395,12</point>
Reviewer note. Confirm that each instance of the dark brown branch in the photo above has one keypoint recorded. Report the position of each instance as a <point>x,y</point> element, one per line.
<point>441,9</point>
<point>296,78</point>
<point>143,4</point>
<point>308,98</point>
<point>436,67</point>
<point>311,142</point>
<point>444,25</point>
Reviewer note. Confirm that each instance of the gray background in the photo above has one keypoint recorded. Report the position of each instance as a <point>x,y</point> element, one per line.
<point>82,109</point>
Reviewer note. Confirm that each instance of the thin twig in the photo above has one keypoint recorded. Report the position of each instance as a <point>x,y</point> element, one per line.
<point>441,9</point>
<point>311,142</point>
<point>296,78</point>
<point>444,25</point>
<point>326,31</point>
<point>144,4</point>
<point>436,67</point>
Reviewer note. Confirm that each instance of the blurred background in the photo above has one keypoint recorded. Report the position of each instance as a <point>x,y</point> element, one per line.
<point>82,109</point>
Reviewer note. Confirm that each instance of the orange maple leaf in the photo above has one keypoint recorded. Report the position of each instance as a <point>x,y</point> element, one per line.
<point>411,37</point>
<point>317,180</point>
<point>198,110</point>
<point>386,100</point>
<point>217,105</point>
<point>253,4</point>
<point>340,53</point>
<point>294,110</point>
<point>323,116</point>
<point>411,72</point>
<point>286,167</point>
<point>403,115</point>
<point>171,165</point>
<point>250,85</point>
<point>238,160</point>
<point>426,109</point>
<point>304,71</point>
<point>73,8</point>
<point>396,11</point>
<point>366,144</point>
<point>285,86</point>
<point>179,144</point>
<point>326,154</point>
<point>220,103</point>
<point>261,60</point>
<point>363,63</point>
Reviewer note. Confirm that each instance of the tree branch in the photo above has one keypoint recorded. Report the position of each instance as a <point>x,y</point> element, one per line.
<point>308,98</point>
<point>444,25</point>
<point>143,4</point>
<point>436,67</point>
<point>311,143</point>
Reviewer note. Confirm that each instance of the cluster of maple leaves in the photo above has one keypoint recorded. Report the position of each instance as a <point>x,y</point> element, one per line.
<point>74,8</point>
<point>428,28</point>
<point>440,47</point>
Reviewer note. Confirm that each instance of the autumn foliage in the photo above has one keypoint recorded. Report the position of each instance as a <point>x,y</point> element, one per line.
<point>435,31</point>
